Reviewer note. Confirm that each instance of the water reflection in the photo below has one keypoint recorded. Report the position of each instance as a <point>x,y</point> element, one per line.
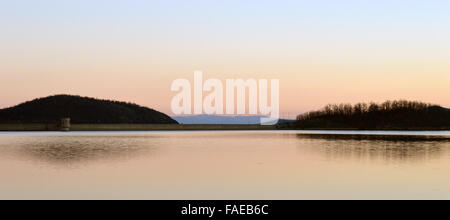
<point>222,165</point>
<point>387,148</point>
<point>70,150</point>
<point>80,149</point>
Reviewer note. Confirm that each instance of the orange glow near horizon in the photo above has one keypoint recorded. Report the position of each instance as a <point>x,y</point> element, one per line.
<point>304,87</point>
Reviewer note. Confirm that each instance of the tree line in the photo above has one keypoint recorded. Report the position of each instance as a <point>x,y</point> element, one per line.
<point>399,114</point>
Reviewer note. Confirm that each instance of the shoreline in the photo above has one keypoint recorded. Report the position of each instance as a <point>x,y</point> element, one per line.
<point>183,127</point>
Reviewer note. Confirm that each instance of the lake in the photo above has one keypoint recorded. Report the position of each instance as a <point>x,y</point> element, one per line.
<point>225,165</point>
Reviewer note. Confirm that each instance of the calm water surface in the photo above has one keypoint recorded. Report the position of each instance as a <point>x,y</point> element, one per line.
<point>225,165</point>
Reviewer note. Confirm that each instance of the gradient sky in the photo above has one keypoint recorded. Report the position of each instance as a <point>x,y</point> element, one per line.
<point>322,51</point>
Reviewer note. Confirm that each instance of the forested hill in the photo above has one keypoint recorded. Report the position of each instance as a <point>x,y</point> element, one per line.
<point>82,110</point>
<point>388,115</point>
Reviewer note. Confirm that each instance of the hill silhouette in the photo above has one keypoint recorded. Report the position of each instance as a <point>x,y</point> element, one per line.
<point>82,110</point>
<point>388,115</point>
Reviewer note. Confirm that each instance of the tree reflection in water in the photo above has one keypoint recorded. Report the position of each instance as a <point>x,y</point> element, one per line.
<point>386,148</point>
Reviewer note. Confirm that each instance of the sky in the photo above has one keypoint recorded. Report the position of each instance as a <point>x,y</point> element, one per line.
<point>324,51</point>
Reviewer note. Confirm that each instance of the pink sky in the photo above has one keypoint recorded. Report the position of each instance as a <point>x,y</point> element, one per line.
<point>352,52</point>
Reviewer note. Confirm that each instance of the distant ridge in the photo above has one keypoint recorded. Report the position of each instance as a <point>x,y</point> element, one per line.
<point>223,120</point>
<point>82,110</point>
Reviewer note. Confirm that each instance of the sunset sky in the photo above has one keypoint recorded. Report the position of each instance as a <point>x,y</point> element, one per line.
<point>324,51</point>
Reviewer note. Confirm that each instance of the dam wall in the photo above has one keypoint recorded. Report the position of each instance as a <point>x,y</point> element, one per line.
<point>29,127</point>
<point>128,127</point>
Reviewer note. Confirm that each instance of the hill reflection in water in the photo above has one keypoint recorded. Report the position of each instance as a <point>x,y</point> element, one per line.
<point>65,150</point>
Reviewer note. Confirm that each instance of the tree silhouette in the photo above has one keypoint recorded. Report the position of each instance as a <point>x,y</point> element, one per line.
<point>388,115</point>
